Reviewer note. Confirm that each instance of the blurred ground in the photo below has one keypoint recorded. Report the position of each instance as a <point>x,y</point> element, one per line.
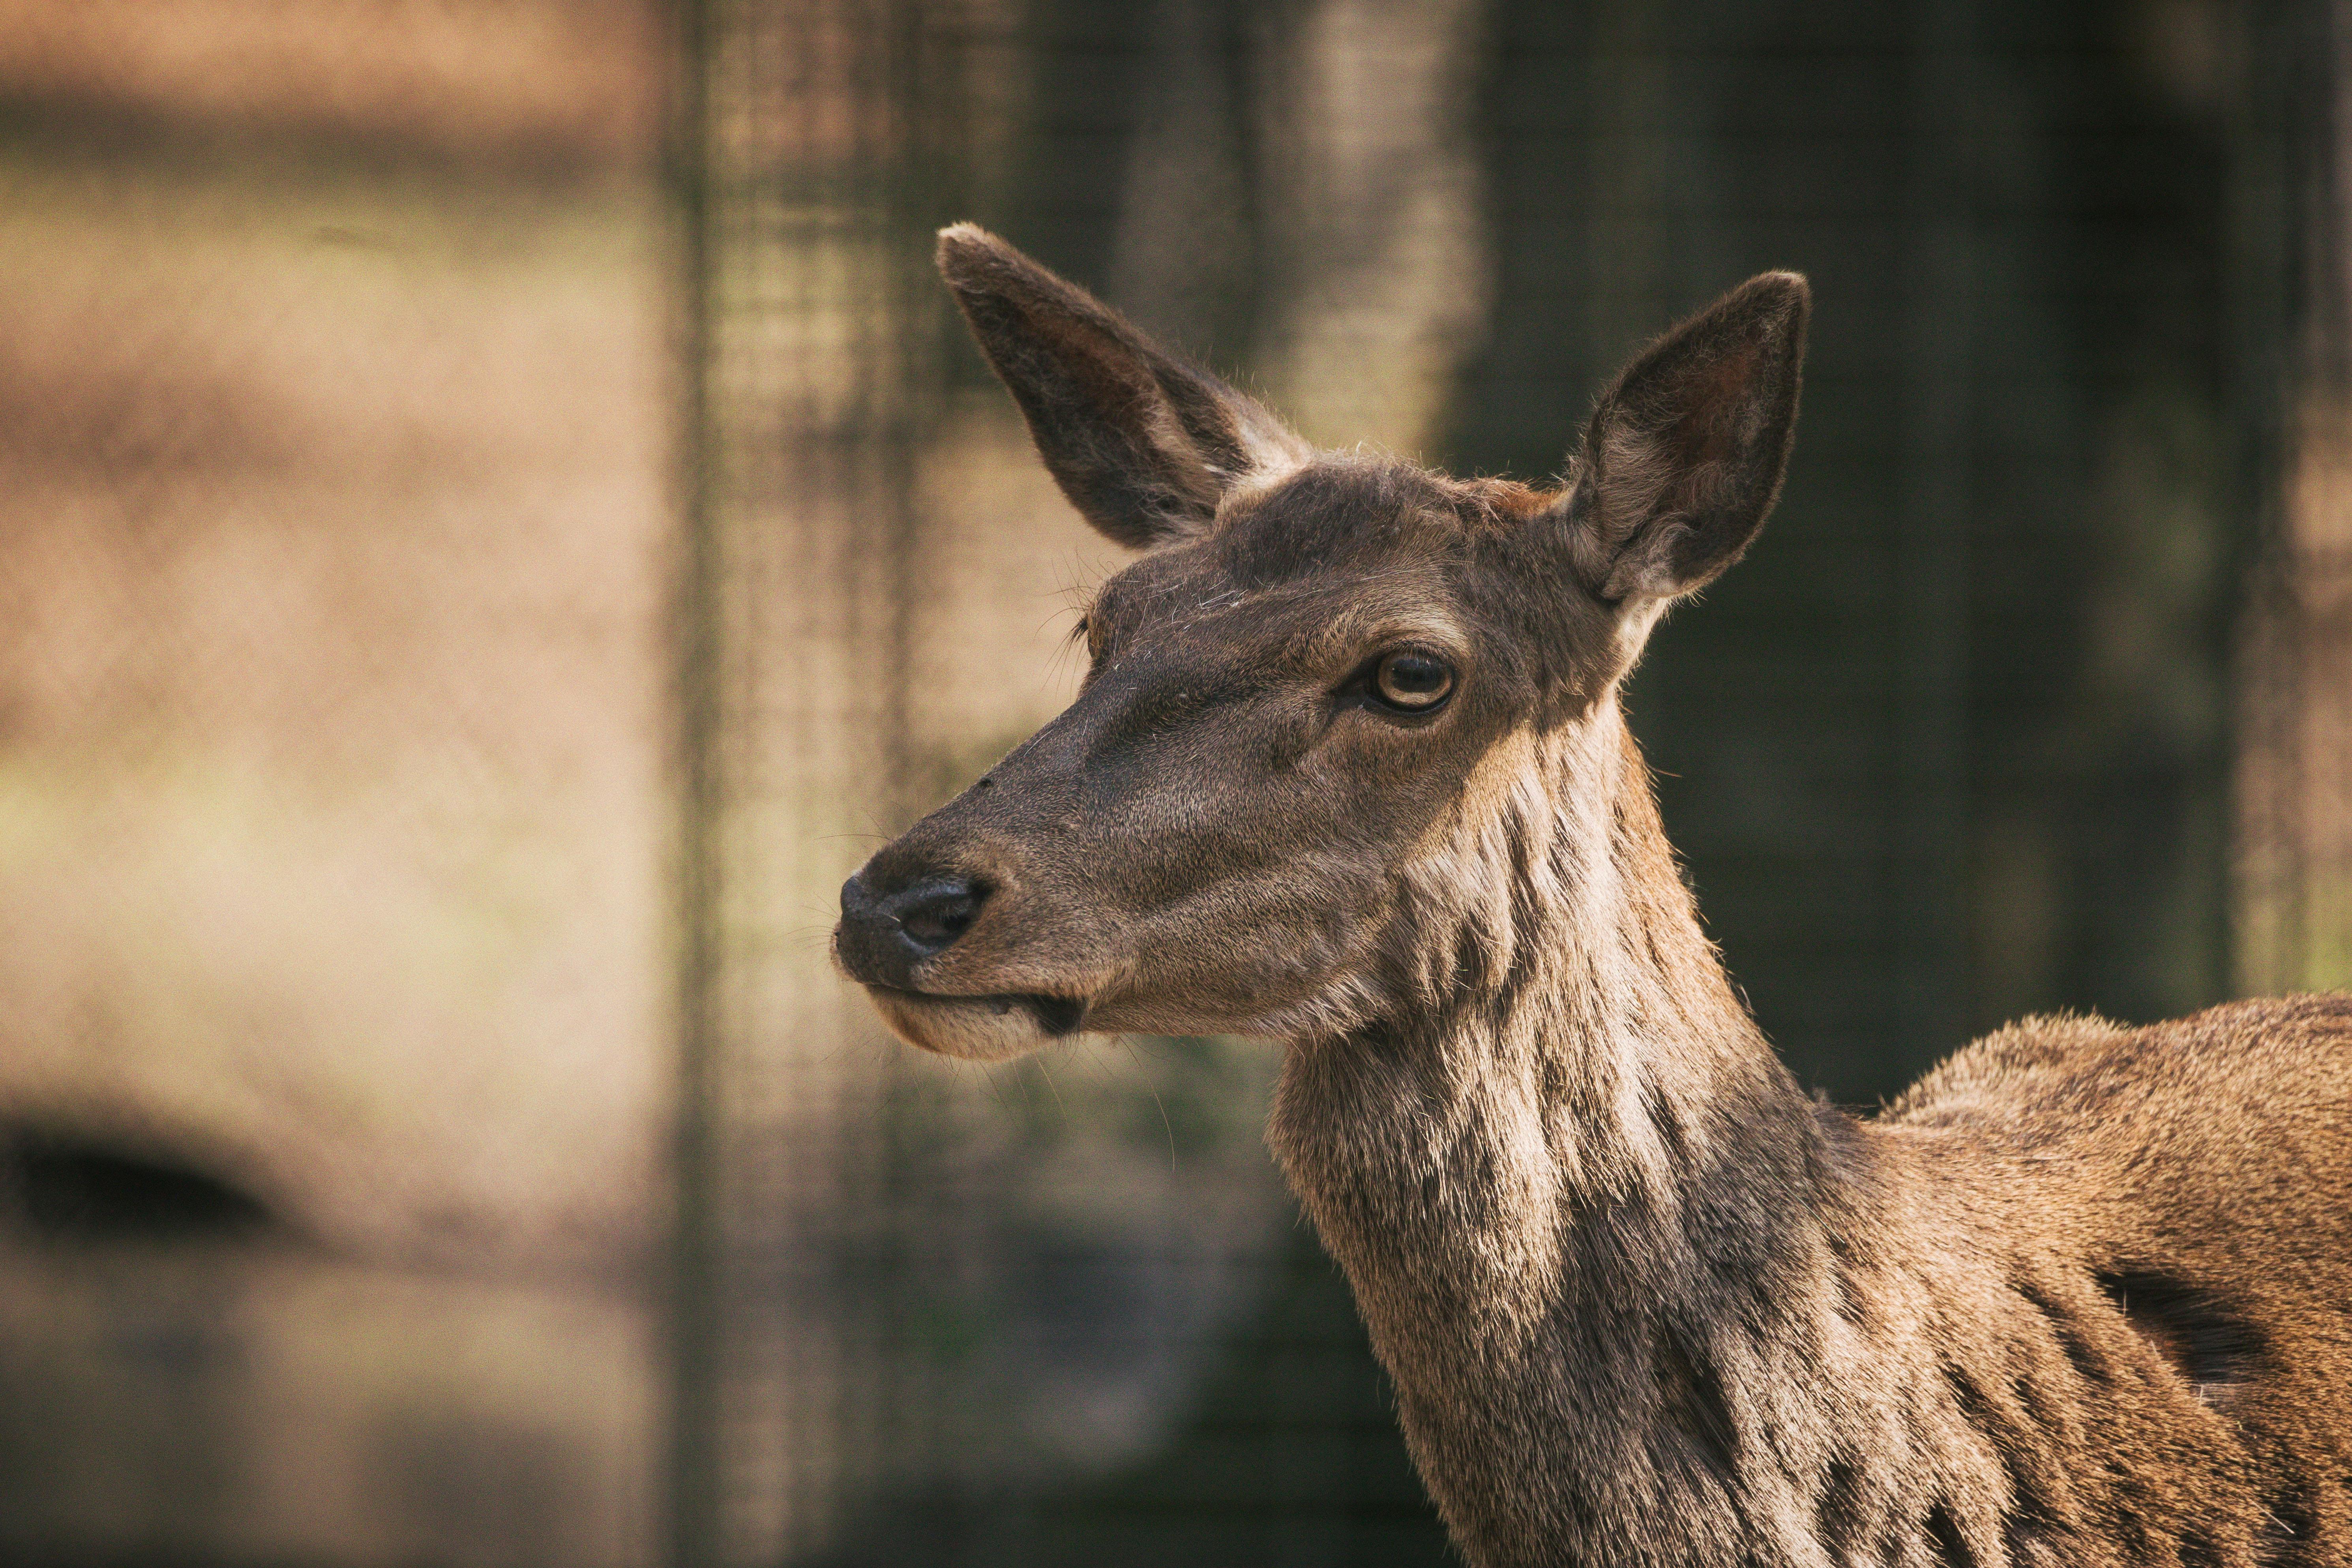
<point>334,425</point>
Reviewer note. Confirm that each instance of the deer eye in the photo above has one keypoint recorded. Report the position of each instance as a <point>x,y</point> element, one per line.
<point>1413,681</point>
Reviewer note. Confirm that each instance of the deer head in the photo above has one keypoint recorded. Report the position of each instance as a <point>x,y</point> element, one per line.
<point>1322,677</point>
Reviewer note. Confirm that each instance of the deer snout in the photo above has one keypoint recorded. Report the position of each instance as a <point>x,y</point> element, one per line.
<point>885,931</point>
<point>931,915</point>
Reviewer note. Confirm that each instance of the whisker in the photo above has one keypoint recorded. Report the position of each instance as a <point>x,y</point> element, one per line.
<point>1166,1126</point>
<point>1134,1048</point>
<point>1047,1074</point>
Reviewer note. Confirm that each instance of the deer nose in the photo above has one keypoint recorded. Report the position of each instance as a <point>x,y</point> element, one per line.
<point>931,915</point>
<point>920,920</point>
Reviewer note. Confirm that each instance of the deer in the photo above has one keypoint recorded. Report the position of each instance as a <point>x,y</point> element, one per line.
<point>1349,771</point>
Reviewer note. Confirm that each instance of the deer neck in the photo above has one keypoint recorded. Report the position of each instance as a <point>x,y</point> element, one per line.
<point>1582,1204</point>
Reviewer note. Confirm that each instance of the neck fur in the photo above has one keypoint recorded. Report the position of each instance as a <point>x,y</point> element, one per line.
<point>1591,1221</point>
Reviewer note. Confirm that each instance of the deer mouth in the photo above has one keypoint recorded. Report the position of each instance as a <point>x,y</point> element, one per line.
<point>977,1029</point>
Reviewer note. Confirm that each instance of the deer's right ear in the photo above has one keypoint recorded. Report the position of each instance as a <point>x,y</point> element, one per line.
<point>1144,445</point>
<point>1685,451</point>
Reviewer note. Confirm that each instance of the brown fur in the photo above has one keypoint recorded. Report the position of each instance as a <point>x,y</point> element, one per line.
<point>2080,1297</point>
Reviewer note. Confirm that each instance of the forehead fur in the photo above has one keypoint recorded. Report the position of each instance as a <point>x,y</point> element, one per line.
<point>1353,513</point>
<point>1356,547</point>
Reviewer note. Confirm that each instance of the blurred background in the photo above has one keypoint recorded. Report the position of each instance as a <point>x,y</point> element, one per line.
<point>499,519</point>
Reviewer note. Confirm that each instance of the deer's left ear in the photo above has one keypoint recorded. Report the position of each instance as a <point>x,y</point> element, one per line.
<point>1684,454</point>
<point>1144,445</point>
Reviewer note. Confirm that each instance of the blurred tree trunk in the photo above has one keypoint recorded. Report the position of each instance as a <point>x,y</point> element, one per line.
<point>1305,184</point>
<point>2295,767</point>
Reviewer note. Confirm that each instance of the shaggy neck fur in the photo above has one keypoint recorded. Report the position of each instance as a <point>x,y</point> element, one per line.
<point>1597,1234</point>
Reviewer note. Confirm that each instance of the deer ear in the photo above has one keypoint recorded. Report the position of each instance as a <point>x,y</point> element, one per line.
<point>1144,445</point>
<point>1684,454</point>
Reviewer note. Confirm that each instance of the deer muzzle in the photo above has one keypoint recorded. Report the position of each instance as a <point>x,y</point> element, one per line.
<point>888,937</point>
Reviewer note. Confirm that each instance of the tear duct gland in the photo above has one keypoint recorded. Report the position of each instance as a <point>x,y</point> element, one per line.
<point>1348,772</point>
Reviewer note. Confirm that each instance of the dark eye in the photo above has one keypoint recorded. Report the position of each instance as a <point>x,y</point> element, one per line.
<point>1413,681</point>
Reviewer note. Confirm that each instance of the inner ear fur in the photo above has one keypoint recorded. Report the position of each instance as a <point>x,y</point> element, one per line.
<point>1685,450</point>
<point>1143,444</point>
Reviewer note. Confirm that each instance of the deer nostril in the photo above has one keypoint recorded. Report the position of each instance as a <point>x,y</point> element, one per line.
<point>931,916</point>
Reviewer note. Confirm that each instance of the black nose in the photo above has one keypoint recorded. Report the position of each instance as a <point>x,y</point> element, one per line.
<point>931,915</point>
<point>919,920</point>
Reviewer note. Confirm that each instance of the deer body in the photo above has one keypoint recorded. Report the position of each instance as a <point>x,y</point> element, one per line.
<point>1685,1314</point>
<point>1349,771</point>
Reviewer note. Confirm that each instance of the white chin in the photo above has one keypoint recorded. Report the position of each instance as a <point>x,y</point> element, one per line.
<point>976,1029</point>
